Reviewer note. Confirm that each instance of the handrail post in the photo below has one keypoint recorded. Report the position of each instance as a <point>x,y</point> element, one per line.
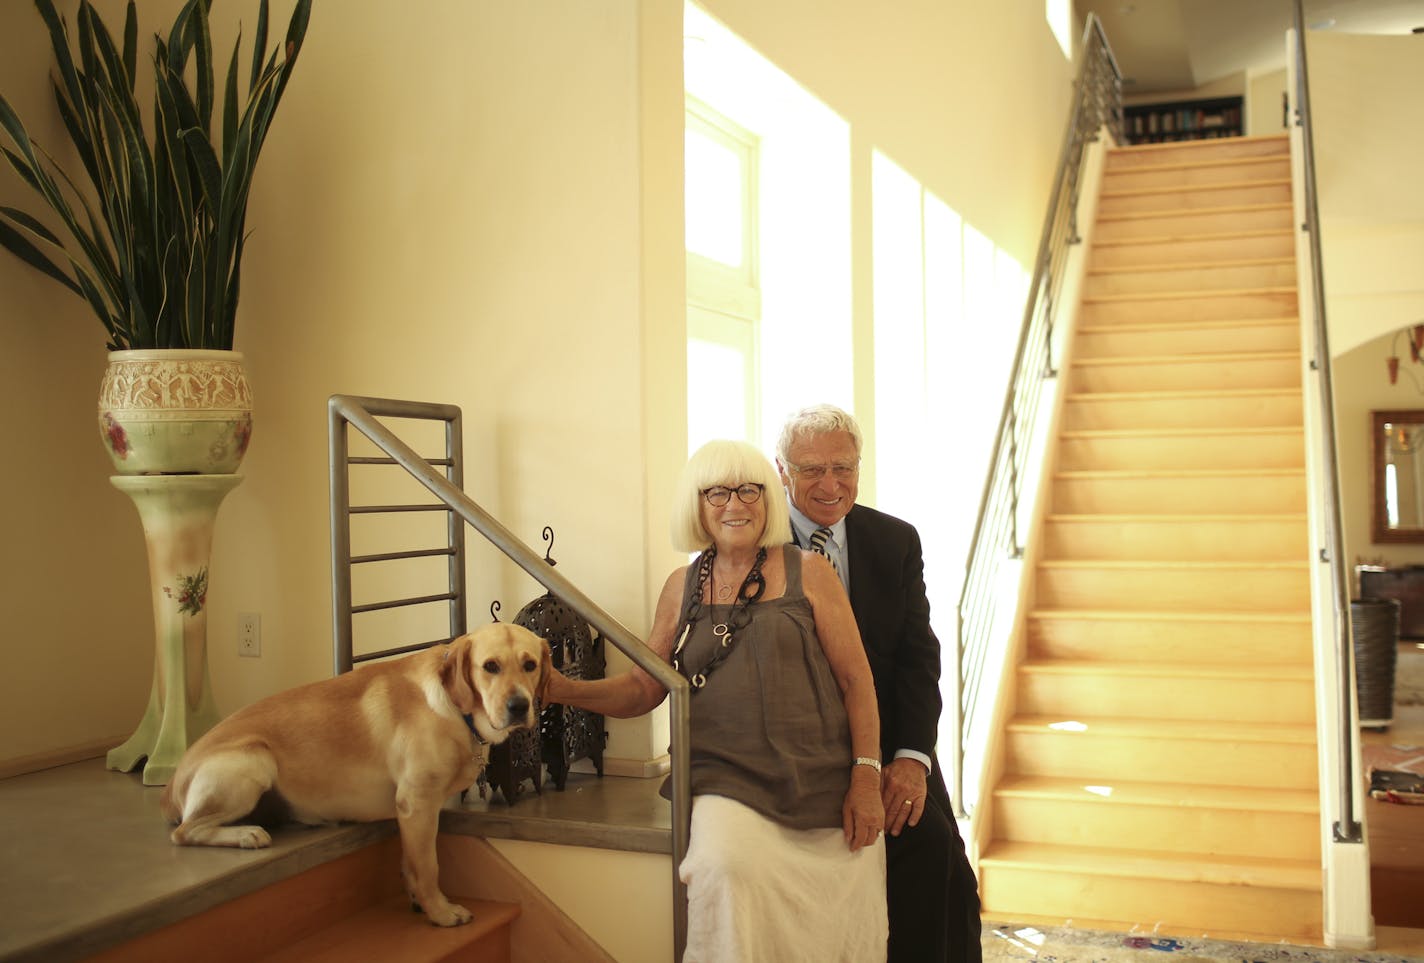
<point>1347,828</point>
<point>338,451</point>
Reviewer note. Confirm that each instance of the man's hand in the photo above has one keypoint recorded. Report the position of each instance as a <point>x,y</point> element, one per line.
<point>902,789</point>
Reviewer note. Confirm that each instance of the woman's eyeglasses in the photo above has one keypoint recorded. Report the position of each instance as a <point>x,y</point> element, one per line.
<point>719,495</point>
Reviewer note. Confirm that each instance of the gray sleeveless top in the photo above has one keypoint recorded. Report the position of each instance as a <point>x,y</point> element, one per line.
<point>769,729</point>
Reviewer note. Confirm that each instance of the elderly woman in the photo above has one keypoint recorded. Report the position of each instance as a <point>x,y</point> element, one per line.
<point>785,860</point>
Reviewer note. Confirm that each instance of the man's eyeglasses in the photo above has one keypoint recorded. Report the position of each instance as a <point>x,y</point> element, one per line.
<point>719,495</point>
<point>817,472</point>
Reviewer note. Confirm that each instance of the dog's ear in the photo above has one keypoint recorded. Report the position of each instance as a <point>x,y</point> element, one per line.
<point>455,675</point>
<point>546,670</point>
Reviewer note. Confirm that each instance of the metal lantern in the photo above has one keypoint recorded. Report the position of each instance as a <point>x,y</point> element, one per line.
<point>565,734</point>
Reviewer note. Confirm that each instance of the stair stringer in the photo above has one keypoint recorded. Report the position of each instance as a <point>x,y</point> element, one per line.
<point>1068,880</point>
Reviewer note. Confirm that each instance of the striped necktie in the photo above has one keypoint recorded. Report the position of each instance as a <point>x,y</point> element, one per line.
<point>818,545</point>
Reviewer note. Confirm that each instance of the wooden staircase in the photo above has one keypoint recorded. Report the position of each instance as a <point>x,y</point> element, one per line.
<point>1159,767</point>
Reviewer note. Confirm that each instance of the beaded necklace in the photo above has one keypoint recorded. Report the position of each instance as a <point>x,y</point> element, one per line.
<point>739,618</point>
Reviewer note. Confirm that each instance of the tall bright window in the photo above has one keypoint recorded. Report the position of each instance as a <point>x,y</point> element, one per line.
<point>723,292</point>
<point>1060,21</point>
<point>768,241</point>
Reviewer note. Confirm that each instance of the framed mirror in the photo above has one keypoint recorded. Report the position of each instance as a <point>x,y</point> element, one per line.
<point>1397,438</point>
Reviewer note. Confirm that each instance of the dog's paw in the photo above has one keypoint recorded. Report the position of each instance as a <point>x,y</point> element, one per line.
<point>451,914</point>
<point>253,837</point>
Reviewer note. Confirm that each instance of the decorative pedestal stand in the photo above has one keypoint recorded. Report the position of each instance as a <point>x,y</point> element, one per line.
<point>178,512</point>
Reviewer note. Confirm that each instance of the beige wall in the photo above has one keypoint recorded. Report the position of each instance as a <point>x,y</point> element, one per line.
<point>447,210</point>
<point>480,206</point>
<point>1369,139</point>
<point>1361,382</point>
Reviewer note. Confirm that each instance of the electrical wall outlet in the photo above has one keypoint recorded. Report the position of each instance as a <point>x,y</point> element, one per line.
<point>249,634</point>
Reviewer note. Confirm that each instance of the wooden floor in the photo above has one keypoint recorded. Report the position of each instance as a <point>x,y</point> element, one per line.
<point>1396,834</point>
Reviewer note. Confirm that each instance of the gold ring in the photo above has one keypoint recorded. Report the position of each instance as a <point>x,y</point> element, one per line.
<point>908,803</point>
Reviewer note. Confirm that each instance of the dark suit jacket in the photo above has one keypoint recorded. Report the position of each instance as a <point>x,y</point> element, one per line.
<point>887,593</point>
<point>933,899</point>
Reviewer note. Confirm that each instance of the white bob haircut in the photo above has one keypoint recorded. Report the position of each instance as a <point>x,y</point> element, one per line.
<point>813,421</point>
<point>729,464</point>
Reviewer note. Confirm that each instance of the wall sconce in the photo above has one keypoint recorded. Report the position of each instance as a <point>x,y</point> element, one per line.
<point>1414,337</point>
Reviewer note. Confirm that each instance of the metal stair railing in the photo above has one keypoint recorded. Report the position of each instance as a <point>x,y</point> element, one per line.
<point>1347,827</point>
<point>361,414</point>
<point>1097,102</point>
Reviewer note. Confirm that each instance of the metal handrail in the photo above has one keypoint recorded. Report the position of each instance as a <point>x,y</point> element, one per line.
<point>1097,102</point>
<point>1347,827</point>
<point>361,413</point>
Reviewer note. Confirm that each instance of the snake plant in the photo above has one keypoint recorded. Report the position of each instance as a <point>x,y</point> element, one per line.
<point>156,234</point>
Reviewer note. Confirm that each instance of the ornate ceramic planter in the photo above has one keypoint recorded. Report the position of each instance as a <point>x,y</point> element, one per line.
<point>175,411</point>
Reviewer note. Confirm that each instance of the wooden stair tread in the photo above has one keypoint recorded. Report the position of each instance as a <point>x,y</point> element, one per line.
<point>1167,794</point>
<point>1190,266</point>
<point>1185,357</point>
<point>1164,518</point>
<point>1205,730</point>
<point>1180,295</point>
<point>1192,212</point>
<point>1130,433</point>
<point>1151,615</point>
<point>1123,474</point>
<point>1269,671</point>
<point>1151,864</point>
<point>1181,394</point>
<point>1137,564</point>
<point>1136,327</point>
<point>391,930</point>
<point>1196,188</point>
<point>1196,165</point>
<point>1200,237</point>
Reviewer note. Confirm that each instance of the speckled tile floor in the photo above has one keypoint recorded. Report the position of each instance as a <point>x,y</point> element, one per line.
<point>1007,942</point>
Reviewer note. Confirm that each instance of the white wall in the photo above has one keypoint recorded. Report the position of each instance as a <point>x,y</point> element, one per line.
<point>477,203</point>
<point>447,210</point>
<point>1369,139</point>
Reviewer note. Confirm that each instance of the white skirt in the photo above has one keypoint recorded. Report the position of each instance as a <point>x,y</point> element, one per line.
<point>758,892</point>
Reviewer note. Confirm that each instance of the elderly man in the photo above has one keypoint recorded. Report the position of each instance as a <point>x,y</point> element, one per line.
<point>932,894</point>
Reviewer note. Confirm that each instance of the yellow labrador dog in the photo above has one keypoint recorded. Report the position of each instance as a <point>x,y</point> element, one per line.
<point>392,739</point>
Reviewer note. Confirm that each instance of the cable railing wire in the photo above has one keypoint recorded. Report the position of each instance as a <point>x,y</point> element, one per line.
<point>1097,103</point>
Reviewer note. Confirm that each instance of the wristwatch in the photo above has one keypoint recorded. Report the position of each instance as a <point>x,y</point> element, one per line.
<point>866,761</point>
